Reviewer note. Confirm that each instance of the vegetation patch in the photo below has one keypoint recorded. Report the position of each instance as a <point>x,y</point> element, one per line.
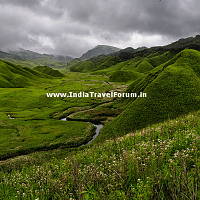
<point>49,71</point>
<point>124,76</point>
<point>172,91</point>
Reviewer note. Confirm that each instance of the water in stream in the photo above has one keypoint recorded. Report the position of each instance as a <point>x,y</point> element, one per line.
<point>98,128</point>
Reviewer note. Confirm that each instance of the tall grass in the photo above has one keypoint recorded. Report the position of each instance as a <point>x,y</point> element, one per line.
<point>158,162</point>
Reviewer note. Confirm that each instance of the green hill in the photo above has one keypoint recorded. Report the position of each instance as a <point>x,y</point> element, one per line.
<point>172,89</point>
<point>143,67</point>
<point>12,76</point>
<point>72,63</point>
<point>49,71</point>
<point>84,66</point>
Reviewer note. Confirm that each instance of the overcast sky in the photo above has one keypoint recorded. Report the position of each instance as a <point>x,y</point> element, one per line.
<point>71,27</point>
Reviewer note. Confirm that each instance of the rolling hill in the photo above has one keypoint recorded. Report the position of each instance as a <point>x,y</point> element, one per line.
<point>14,76</point>
<point>49,71</point>
<point>172,88</point>
<point>128,56</point>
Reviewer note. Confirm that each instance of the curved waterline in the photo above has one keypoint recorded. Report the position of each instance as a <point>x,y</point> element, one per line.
<point>98,128</point>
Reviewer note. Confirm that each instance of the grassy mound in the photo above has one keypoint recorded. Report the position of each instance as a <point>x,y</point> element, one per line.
<point>124,76</point>
<point>15,76</point>
<point>144,67</point>
<point>83,66</point>
<point>172,91</point>
<point>49,71</point>
<point>137,64</point>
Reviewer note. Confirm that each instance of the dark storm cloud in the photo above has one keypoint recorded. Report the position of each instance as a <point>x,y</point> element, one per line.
<point>72,27</point>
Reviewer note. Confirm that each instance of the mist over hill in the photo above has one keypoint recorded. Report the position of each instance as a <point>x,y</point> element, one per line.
<point>31,55</point>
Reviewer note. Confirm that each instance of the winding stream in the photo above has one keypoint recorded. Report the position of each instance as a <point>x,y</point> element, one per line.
<point>98,128</point>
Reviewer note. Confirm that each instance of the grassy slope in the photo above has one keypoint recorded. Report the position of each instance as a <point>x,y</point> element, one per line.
<point>83,66</point>
<point>124,76</point>
<point>119,66</point>
<point>94,64</point>
<point>15,76</point>
<point>144,67</point>
<point>172,91</point>
<point>49,71</point>
<point>137,64</point>
<point>40,61</point>
<point>158,162</point>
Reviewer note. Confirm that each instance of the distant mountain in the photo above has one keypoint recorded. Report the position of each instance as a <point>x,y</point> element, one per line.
<point>31,55</point>
<point>26,58</point>
<point>4,55</point>
<point>49,71</point>
<point>73,62</point>
<point>98,50</point>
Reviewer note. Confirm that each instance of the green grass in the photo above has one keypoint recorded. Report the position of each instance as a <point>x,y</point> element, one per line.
<point>158,162</point>
<point>124,76</point>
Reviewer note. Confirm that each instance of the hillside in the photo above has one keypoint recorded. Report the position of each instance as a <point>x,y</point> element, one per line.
<point>12,76</point>
<point>98,50</point>
<point>172,89</point>
<point>31,55</point>
<point>49,71</point>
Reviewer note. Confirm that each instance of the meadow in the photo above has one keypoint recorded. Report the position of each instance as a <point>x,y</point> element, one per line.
<point>157,162</point>
<point>29,120</point>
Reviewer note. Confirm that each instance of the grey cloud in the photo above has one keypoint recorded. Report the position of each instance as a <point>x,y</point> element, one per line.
<point>73,27</point>
<point>21,3</point>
